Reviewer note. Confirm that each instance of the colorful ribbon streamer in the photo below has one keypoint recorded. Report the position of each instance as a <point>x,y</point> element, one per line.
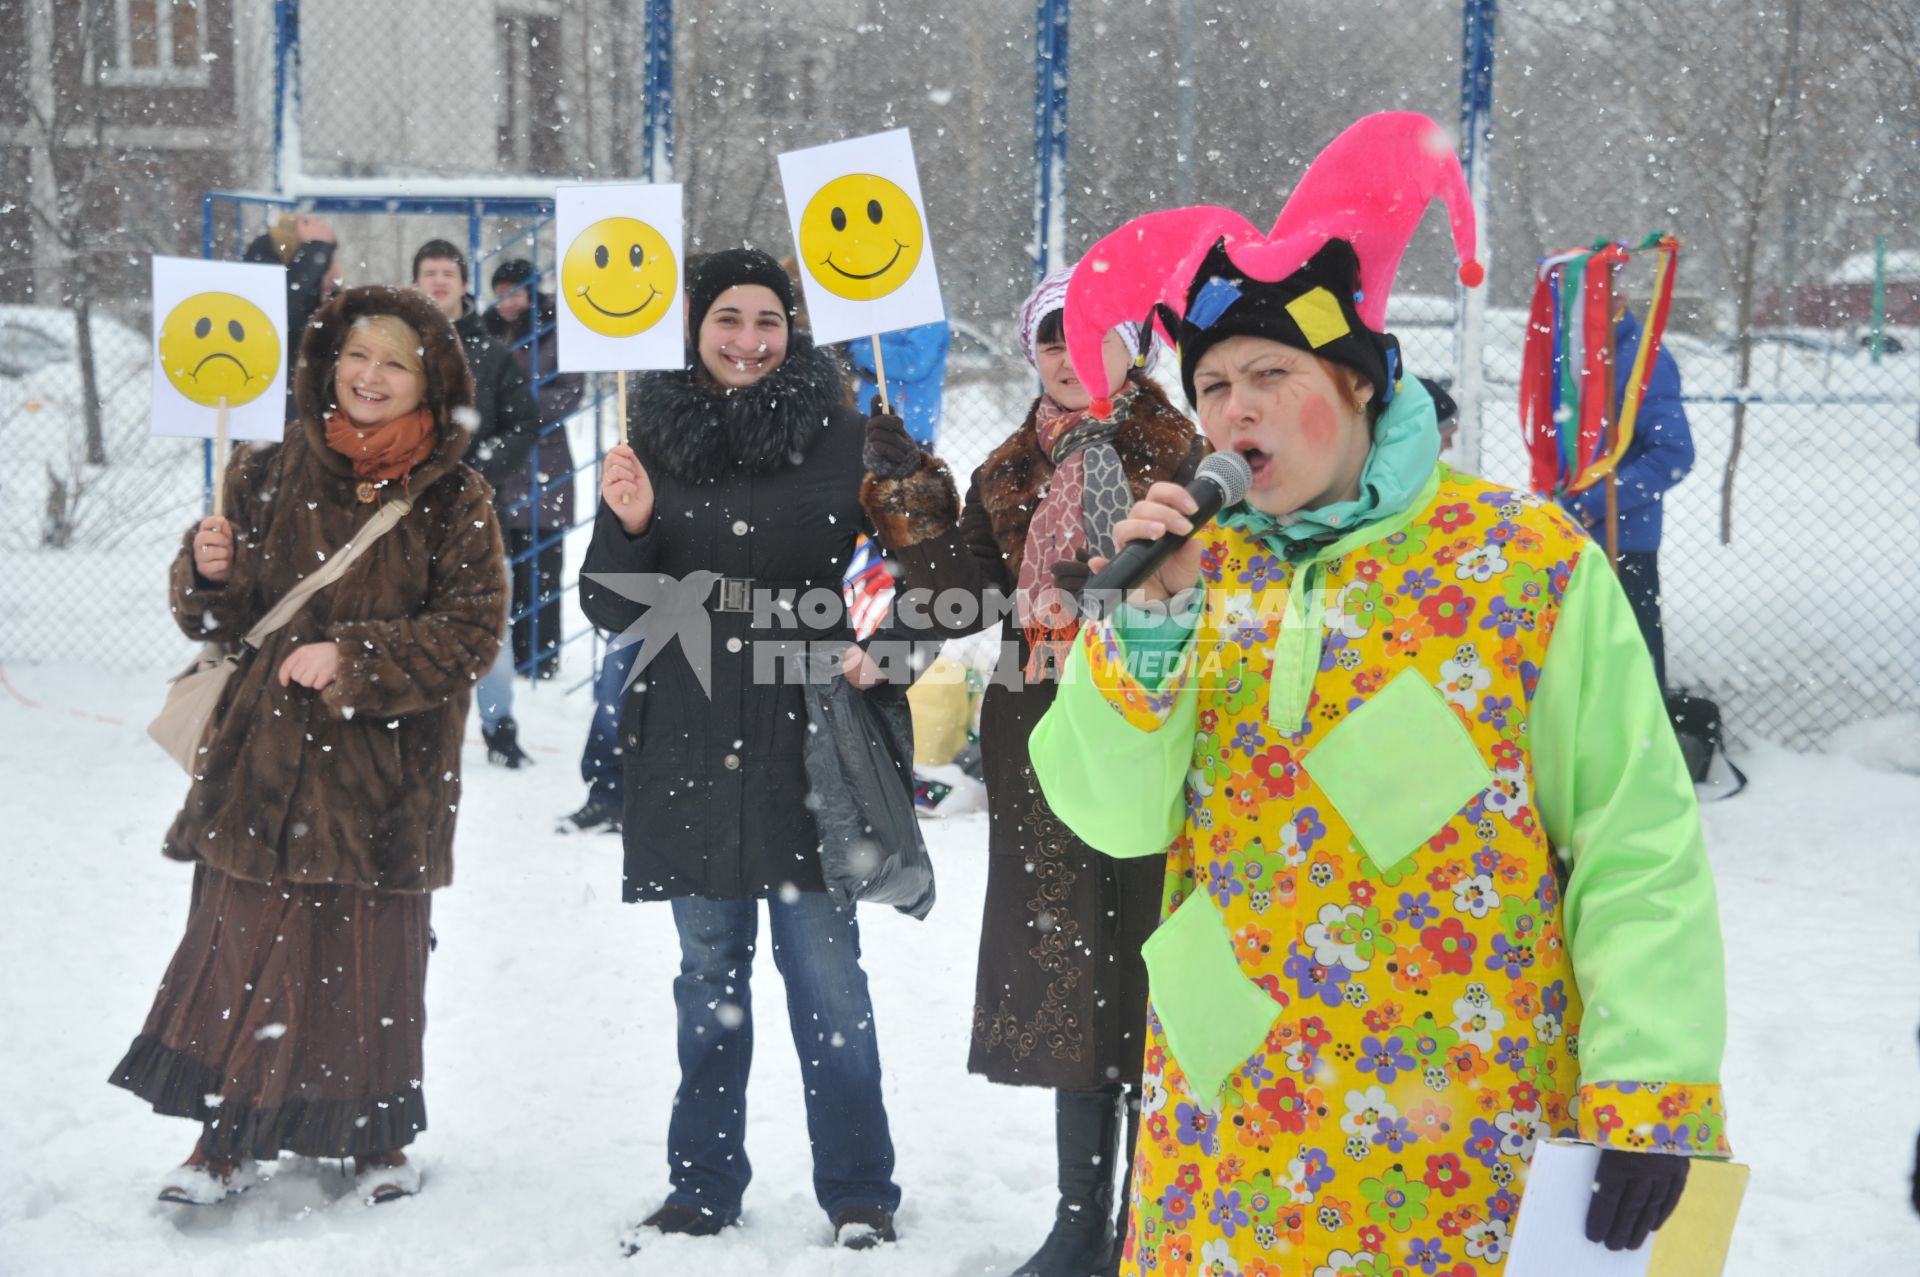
<point>1568,375</point>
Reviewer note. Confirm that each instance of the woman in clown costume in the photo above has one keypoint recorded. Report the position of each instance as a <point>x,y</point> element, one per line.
<point>1436,888</point>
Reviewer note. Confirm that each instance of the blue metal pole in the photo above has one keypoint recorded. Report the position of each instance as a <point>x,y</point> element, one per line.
<point>1049,135</point>
<point>535,487</point>
<point>286,83</point>
<point>1476,147</point>
<point>656,133</point>
<point>473,250</point>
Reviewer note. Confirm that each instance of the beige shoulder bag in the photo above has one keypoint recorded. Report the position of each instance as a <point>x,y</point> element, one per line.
<point>182,724</point>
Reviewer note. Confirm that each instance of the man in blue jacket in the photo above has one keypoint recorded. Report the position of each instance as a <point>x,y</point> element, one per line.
<point>916,374</point>
<point>1660,456</point>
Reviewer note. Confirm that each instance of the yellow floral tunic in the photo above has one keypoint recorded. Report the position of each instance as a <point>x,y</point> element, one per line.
<point>1422,804</point>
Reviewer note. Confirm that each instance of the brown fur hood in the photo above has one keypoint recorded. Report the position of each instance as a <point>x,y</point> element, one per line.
<point>1153,442</point>
<point>449,383</point>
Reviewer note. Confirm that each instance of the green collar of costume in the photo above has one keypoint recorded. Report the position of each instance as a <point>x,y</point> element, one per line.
<point>1399,467</point>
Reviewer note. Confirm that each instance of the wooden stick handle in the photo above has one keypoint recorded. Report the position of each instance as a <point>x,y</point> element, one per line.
<point>880,374</point>
<point>1613,522</point>
<point>220,460</point>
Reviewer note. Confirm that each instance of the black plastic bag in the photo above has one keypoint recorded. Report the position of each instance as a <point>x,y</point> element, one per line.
<point>860,776</point>
<point>1703,742</point>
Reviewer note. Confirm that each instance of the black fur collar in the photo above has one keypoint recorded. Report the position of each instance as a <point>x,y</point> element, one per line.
<point>695,432</point>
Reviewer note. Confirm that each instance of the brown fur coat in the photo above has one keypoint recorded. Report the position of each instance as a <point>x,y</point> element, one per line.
<point>358,784</point>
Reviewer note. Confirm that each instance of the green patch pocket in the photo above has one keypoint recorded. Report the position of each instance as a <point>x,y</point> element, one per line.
<point>1214,1017</point>
<point>1399,768</point>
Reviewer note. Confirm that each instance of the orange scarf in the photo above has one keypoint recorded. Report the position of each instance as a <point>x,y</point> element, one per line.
<point>388,452</point>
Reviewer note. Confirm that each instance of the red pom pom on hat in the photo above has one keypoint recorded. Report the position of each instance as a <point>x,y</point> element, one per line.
<point>1102,409</point>
<point>1472,273</point>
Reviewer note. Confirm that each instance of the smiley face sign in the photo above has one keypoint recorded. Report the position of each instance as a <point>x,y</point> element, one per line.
<point>219,334</point>
<point>217,346</point>
<point>619,269</point>
<point>619,277</point>
<point>861,237</point>
<point>860,228</point>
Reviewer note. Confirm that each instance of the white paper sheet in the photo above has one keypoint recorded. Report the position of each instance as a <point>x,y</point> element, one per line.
<point>622,279</point>
<point>219,329</point>
<point>862,237</point>
<point>1550,1234</point>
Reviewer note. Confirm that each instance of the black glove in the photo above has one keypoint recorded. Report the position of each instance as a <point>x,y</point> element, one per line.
<point>890,452</point>
<point>1633,1194</point>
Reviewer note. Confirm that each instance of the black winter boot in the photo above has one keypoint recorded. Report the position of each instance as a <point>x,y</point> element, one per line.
<point>503,745</point>
<point>1126,1185</point>
<point>1087,1133</point>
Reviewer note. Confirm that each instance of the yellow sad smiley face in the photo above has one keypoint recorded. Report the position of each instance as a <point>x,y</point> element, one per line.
<point>619,277</point>
<point>861,237</point>
<point>217,346</point>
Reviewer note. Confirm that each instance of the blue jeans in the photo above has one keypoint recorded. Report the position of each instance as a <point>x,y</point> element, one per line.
<point>600,760</point>
<point>816,946</point>
<point>493,694</point>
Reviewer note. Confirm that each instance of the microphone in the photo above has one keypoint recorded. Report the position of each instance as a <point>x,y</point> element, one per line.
<point>1223,478</point>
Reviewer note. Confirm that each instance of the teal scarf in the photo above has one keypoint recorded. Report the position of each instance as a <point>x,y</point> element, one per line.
<point>1406,446</point>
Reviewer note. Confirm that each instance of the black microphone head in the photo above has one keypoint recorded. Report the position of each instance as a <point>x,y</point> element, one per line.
<point>1229,472</point>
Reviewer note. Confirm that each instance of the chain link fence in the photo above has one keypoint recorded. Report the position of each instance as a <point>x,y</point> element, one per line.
<point>91,506</point>
<point>1797,622</point>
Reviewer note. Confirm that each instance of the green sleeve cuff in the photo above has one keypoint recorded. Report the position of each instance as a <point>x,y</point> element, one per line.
<point>1111,757</point>
<point>1153,640</point>
<point>1614,796</point>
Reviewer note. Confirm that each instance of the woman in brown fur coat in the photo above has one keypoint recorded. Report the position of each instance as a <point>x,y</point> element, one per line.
<point>1060,997</point>
<point>321,812</point>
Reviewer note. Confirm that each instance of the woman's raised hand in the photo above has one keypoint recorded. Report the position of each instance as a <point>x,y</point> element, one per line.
<point>213,549</point>
<point>627,490</point>
<point>1164,509</point>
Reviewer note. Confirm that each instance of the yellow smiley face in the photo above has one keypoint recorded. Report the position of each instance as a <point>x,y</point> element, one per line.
<point>861,237</point>
<point>217,346</point>
<point>619,276</point>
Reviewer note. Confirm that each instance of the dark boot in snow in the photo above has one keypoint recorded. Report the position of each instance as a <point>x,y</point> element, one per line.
<point>863,1227</point>
<point>1087,1134</point>
<point>601,812</point>
<point>672,1219</point>
<point>503,745</point>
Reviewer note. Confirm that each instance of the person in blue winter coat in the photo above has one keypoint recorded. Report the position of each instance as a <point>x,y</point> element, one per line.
<point>1659,456</point>
<point>916,375</point>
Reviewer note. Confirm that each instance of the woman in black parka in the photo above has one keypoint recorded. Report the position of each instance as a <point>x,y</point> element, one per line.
<point>745,466</point>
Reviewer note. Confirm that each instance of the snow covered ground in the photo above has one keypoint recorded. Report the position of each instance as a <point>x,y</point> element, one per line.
<point>550,1045</point>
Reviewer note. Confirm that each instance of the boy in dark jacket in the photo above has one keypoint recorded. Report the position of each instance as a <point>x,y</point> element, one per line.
<point>1659,456</point>
<point>505,429</point>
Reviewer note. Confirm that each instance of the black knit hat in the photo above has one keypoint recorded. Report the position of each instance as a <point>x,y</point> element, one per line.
<point>1311,310</point>
<point>514,271</point>
<point>715,273</point>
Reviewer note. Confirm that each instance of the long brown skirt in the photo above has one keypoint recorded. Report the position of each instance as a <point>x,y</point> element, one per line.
<point>291,1018</point>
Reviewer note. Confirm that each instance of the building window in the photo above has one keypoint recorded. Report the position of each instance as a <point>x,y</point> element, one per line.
<point>530,120</point>
<point>161,42</point>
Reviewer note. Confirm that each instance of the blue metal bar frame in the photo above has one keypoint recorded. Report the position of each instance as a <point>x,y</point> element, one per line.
<point>657,163</point>
<point>476,209</point>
